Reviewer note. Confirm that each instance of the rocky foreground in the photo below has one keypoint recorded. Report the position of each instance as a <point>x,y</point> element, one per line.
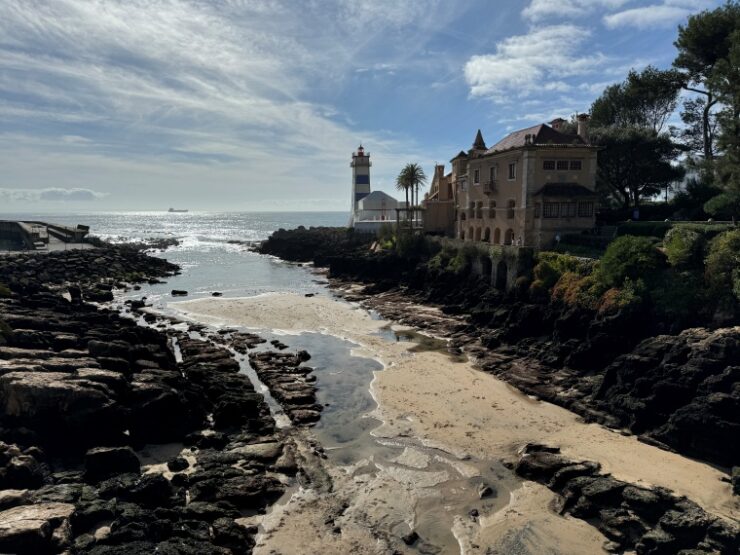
<point>108,443</point>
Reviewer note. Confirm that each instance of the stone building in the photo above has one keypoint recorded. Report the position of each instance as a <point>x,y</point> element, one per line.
<point>531,187</point>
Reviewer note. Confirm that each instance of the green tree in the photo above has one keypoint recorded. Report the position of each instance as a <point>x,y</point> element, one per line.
<point>644,99</point>
<point>702,44</point>
<point>635,163</point>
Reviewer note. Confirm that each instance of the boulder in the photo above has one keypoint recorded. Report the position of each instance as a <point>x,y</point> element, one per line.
<point>104,462</point>
<point>38,529</point>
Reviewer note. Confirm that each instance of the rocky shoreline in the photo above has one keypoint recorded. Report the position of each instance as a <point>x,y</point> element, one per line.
<point>676,390</point>
<point>109,443</point>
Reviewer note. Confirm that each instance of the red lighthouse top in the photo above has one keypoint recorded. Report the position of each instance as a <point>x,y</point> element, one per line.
<point>360,151</point>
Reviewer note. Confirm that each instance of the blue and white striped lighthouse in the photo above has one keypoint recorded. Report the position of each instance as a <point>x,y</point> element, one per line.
<point>360,179</point>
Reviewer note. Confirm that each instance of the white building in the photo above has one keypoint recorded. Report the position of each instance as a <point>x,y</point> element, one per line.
<point>369,210</point>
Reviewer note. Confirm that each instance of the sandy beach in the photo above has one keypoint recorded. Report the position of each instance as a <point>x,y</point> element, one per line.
<point>465,412</point>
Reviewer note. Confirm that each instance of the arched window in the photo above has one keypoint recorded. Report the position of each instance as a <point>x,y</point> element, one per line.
<point>497,237</point>
<point>487,235</point>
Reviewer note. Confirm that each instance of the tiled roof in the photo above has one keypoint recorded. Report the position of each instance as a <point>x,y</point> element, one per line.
<point>543,134</point>
<point>564,190</point>
<point>461,154</point>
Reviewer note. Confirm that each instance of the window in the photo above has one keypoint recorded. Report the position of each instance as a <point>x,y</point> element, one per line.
<point>494,172</point>
<point>512,170</point>
<point>551,210</point>
<point>567,209</point>
<point>492,209</point>
<point>476,178</point>
<point>562,164</point>
<point>510,209</point>
<point>585,209</point>
<point>548,165</point>
<point>479,210</point>
<point>575,165</point>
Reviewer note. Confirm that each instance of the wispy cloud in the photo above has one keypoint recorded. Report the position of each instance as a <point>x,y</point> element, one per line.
<point>665,14</point>
<point>539,10</point>
<point>229,83</point>
<point>524,64</point>
<point>50,194</point>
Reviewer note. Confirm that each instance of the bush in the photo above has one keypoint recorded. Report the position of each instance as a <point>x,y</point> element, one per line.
<point>722,265</point>
<point>552,265</point>
<point>522,284</point>
<point>680,298</point>
<point>538,291</point>
<point>5,332</point>
<point>629,257</point>
<point>577,290</point>
<point>463,259</point>
<point>684,247</point>
<point>629,296</point>
<point>4,291</point>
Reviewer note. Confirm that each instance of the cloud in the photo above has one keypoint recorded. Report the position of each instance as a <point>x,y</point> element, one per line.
<point>539,10</point>
<point>229,86</point>
<point>50,194</point>
<point>666,14</point>
<point>525,64</point>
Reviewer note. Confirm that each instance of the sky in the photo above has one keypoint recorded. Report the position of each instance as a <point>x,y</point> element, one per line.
<point>258,105</point>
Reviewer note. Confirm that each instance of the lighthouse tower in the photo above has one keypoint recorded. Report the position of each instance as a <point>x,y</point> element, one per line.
<point>360,179</point>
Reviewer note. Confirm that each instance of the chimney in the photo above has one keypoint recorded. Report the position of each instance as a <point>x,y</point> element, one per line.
<point>439,171</point>
<point>557,124</point>
<point>583,127</point>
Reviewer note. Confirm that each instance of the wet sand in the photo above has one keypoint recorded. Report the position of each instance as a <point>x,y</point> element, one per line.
<point>464,412</point>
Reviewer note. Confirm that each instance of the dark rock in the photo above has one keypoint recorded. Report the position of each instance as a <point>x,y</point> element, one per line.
<point>103,462</point>
<point>177,464</point>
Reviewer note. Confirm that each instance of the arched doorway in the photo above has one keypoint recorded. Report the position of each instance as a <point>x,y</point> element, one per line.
<point>497,237</point>
<point>501,271</point>
<point>477,233</point>
<point>509,237</point>
<point>487,235</point>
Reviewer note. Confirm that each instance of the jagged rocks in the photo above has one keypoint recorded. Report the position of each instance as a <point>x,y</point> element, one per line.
<point>286,379</point>
<point>648,521</point>
<point>681,390</point>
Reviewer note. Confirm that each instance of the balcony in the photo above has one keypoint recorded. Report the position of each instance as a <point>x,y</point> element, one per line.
<point>489,187</point>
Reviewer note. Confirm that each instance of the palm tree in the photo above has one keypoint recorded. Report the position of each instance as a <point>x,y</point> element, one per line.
<point>402,184</point>
<point>412,177</point>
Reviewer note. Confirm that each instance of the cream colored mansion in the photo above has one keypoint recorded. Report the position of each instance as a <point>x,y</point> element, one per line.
<point>526,190</point>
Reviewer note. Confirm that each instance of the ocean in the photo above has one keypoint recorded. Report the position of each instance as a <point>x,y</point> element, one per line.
<point>213,251</point>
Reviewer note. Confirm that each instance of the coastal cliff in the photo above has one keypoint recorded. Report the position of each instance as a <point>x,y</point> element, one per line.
<point>622,363</point>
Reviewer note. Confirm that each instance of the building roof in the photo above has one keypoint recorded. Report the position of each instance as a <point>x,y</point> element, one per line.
<point>479,143</point>
<point>564,190</point>
<point>541,134</point>
<point>461,154</point>
<point>377,197</point>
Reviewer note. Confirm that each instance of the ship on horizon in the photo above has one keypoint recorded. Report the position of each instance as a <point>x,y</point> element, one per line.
<point>177,210</point>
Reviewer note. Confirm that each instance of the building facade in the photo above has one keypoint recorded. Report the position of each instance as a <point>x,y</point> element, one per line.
<point>528,189</point>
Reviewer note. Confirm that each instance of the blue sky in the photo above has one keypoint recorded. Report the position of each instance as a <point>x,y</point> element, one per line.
<point>258,104</point>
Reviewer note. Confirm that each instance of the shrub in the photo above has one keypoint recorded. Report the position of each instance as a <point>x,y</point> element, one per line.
<point>629,257</point>
<point>680,298</point>
<point>630,295</point>
<point>683,247</point>
<point>722,265</point>
<point>577,290</point>
<point>552,265</point>
<point>4,291</point>
<point>463,259</point>
<point>538,291</point>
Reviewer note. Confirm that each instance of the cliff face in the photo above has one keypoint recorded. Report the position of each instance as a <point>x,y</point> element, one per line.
<point>618,367</point>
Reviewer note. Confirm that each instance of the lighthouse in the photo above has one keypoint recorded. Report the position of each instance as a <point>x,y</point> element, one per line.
<point>360,180</point>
